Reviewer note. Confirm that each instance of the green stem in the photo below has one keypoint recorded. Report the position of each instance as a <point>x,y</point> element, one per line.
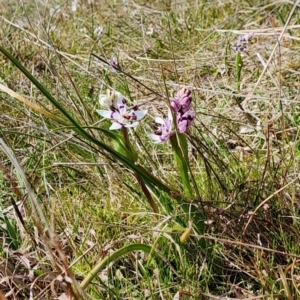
<point>108,259</point>
<point>138,177</point>
<point>180,155</point>
<point>238,66</point>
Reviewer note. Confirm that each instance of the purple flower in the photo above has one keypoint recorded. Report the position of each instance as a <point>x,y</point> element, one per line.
<point>114,63</point>
<point>185,120</point>
<point>118,111</point>
<point>164,132</point>
<point>182,102</point>
<point>181,107</point>
<point>243,41</point>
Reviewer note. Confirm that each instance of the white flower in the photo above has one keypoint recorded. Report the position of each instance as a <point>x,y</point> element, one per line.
<point>98,31</point>
<point>118,111</point>
<point>150,30</point>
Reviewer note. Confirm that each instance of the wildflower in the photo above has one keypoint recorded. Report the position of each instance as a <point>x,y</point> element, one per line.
<point>243,41</point>
<point>118,111</point>
<point>181,107</point>
<point>150,30</point>
<point>182,102</point>
<point>98,31</point>
<point>114,62</point>
<point>114,65</point>
<point>164,132</point>
<point>222,69</point>
<point>185,120</point>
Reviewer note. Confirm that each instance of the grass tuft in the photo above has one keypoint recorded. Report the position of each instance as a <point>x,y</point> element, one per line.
<point>88,213</point>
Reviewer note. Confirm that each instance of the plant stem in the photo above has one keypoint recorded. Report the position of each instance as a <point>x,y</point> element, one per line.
<point>138,177</point>
<point>179,151</point>
<point>114,256</point>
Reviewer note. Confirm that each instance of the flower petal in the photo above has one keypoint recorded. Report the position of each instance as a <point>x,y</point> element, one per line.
<point>115,126</point>
<point>156,138</point>
<point>104,113</point>
<point>119,96</point>
<point>115,115</point>
<point>104,101</point>
<point>140,114</point>
<point>182,102</point>
<point>122,109</point>
<point>170,116</point>
<point>182,126</point>
<point>185,120</point>
<point>159,120</point>
<point>117,100</point>
<point>175,105</point>
<point>109,114</point>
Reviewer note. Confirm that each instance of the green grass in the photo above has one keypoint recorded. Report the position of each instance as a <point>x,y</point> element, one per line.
<point>243,152</point>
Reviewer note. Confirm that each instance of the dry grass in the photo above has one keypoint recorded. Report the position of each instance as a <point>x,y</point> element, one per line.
<point>244,149</point>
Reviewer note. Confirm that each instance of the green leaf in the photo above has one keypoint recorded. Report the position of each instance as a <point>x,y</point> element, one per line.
<point>113,257</point>
<point>12,233</point>
<point>119,144</point>
<point>238,66</point>
<point>180,151</point>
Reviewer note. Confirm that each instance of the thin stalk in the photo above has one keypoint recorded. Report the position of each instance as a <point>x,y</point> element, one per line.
<point>238,67</point>
<point>138,177</point>
<point>112,257</point>
<point>182,165</point>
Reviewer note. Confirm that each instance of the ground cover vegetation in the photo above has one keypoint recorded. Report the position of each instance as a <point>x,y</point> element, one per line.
<point>149,149</point>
